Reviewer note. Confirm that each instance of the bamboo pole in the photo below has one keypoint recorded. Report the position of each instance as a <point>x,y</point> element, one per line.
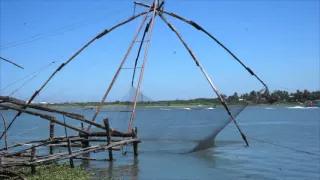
<point>39,107</point>
<point>84,142</point>
<point>135,144</point>
<point>114,133</point>
<point>36,141</point>
<point>43,116</point>
<point>106,123</point>
<point>12,63</point>
<point>5,131</point>
<point>119,69</point>
<point>33,159</point>
<point>43,144</point>
<point>140,46</point>
<point>207,77</point>
<point>51,135</point>
<point>70,153</point>
<point>198,27</point>
<point>70,59</point>
<point>142,67</point>
<point>83,151</point>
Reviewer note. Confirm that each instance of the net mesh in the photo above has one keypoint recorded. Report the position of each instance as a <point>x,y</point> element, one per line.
<point>166,127</point>
<point>176,108</point>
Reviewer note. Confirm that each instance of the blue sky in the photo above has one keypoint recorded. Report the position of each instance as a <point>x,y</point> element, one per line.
<point>278,40</point>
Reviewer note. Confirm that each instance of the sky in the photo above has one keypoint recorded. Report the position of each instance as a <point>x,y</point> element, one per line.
<point>278,40</point>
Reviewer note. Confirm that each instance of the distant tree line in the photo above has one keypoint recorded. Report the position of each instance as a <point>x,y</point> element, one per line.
<point>254,97</point>
<point>277,96</point>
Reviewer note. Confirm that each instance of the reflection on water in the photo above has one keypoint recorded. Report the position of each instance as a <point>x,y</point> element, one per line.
<point>161,151</point>
<point>112,169</point>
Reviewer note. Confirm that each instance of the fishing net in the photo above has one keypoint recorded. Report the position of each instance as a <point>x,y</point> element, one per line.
<point>171,116</point>
<point>176,108</point>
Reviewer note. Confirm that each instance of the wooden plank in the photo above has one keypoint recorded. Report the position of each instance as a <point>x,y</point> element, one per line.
<point>107,126</point>
<point>70,153</point>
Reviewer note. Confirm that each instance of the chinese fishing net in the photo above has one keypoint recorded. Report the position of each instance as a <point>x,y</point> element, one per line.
<point>176,108</point>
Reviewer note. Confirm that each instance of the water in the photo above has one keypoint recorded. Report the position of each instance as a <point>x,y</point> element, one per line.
<point>229,159</point>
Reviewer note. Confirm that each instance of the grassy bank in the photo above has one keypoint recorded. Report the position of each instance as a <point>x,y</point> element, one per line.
<point>53,172</point>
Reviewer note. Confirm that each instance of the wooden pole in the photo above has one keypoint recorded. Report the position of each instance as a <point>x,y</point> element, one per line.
<point>207,77</point>
<point>43,116</point>
<point>70,153</point>
<point>142,67</point>
<point>198,27</point>
<point>84,151</point>
<point>51,135</point>
<point>33,159</point>
<point>39,107</point>
<point>70,59</point>
<point>11,62</point>
<point>5,131</point>
<point>135,144</point>
<point>44,141</point>
<point>137,58</point>
<point>107,126</point>
<point>85,142</point>
<point>119,69</point>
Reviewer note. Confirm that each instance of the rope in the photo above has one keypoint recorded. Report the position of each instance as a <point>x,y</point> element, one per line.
<point>37,71</point>
<point>33,77</point>
<point>286,147</point>
<point>26,131</point>
<point>55,31</point>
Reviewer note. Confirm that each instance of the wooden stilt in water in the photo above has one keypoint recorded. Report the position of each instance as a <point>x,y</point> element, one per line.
<point>5,131</point>
<point>70,153</point>
<point>51,135</point>
<point>33,158</point>
<point>135,144</point>
<point>85,143</point>
<point>107,126</point>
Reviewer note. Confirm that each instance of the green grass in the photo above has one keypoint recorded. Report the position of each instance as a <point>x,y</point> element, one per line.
<point>54,172</point>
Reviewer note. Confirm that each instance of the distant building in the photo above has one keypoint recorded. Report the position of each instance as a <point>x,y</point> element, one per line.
<point>43,102</point>
<point>32,102</point>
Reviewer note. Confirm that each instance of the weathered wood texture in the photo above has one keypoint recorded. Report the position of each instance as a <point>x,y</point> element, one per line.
<point>107,126</point>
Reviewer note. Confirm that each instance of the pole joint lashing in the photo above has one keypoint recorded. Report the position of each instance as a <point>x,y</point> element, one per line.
<point>171,27</point>
<point>61,66</point>
<point>250,71</point>
<point>159,7</point>
<point>195,25</point>
<point>33,96</point>
<point>147,27</point>
<point>102,34</point>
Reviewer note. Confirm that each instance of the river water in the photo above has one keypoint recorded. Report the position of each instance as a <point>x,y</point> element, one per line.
<point>162,153</point>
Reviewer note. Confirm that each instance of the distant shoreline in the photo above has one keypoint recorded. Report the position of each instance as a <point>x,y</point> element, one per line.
<point>171,105</point>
